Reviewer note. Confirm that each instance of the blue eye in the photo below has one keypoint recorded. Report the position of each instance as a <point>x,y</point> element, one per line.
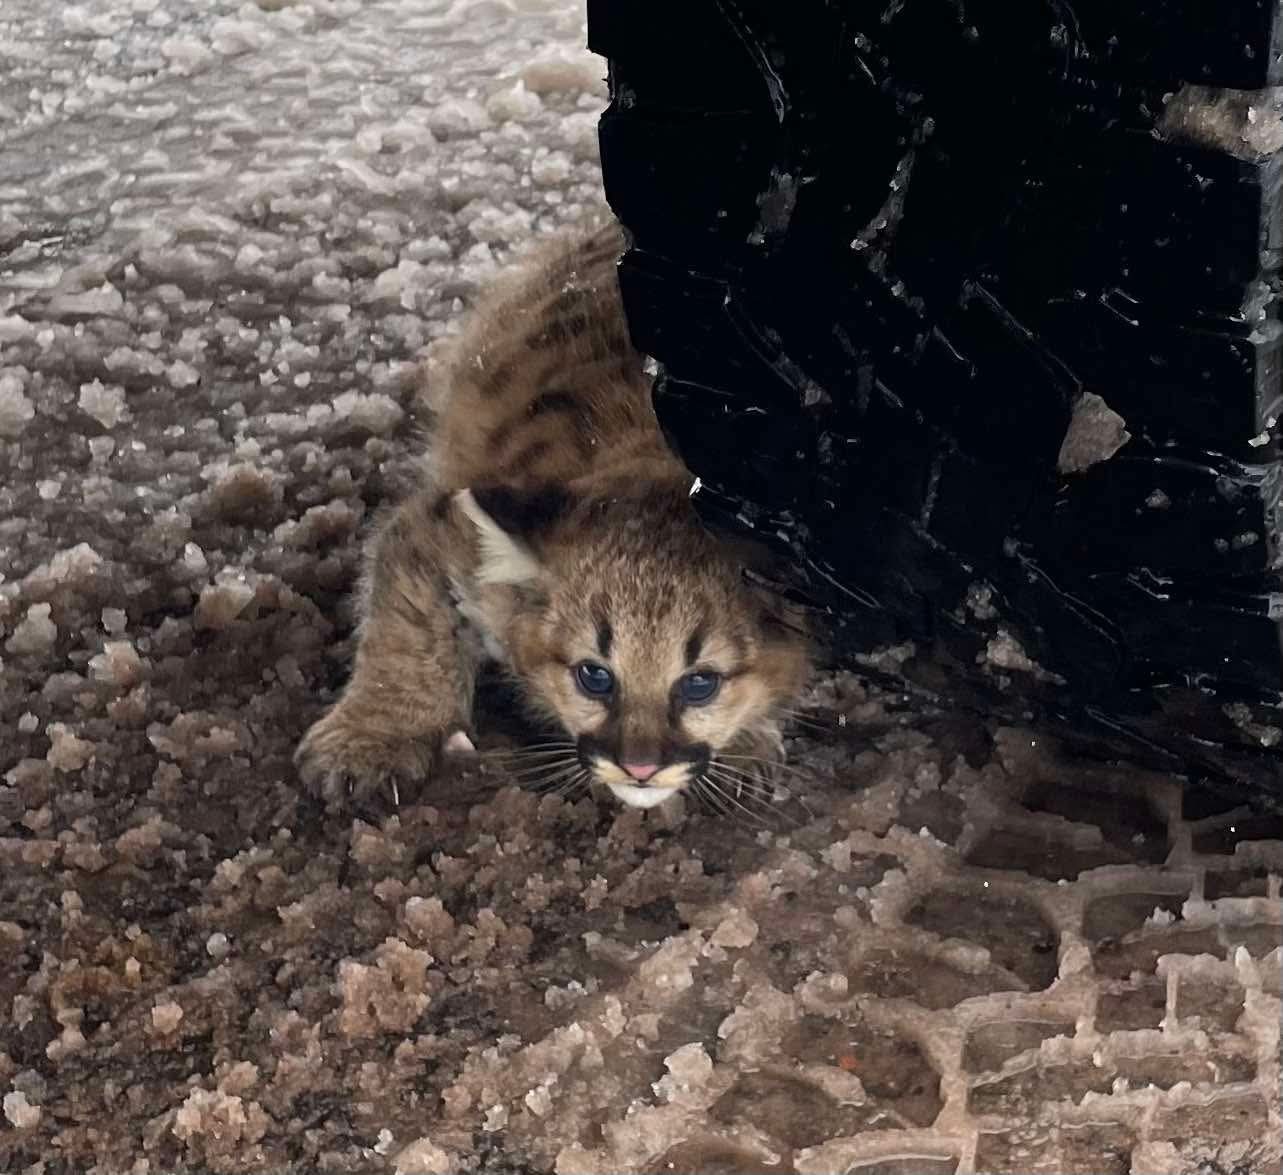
<point>697,688</point>
<point>595,680</point>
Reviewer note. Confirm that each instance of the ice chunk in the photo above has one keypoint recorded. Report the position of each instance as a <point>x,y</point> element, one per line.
<point>100,448</point>
<point>185,52</point>
<point>516,104</point>
<point>736,930</point>
<point>689,1069</point>
<point>35,634</point>
<point>22,1114</point>
<point>16,411</point>
<point>579,133</point>
<point>429,921</point>
<point>387,997</point>
<point>562,72</point>
<point>182,375</point>
<point>194,560</point>
<point>376,413</point>
<point>551,169</point>
<point>1006,652</point>
<point>457,117</point>
<point>81,20</point>
<point>669,969</point>
<point>106,300</point>
<point>14,328</point>
<point>477,263</point>
<point>132,362</point>
<point>227,1118</point>
<point>501,226</point>
<point>72,567</point>
<point>229,36</point>
<point>104,402</point>
<point>118,664</point>
<point>1096,432</point>
<point>321,524</point>
<point>539,1100</point>
<point>242,492</point>
<point>221,603</point>
<point>402,283</point>
<point>752,1031</point>
<point>166,1017</point>
<point>67,752</point>
<point>424,1157</point>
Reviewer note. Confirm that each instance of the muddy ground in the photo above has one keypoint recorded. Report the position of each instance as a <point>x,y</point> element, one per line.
<point>228,239</point>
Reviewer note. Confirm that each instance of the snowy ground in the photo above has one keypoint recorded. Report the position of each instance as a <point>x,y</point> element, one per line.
<point>227,234</point>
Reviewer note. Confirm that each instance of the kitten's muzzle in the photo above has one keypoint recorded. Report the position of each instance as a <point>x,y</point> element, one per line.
<point>641,772</point>
<point>598,756</point>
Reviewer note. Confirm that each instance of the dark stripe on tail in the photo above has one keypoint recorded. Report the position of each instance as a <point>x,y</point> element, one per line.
<point>558,332</point>
<point>524,459</point>
<point>547,404</point>
<point>494,381</point>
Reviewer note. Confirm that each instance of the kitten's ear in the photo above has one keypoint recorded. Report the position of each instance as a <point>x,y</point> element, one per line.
<point>510,523</point>
<point>780,611</point>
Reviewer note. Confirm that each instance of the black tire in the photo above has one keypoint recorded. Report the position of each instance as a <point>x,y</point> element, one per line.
<point>882,249</point>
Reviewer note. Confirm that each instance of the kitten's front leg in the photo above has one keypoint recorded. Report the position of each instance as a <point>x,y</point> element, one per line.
<point>410,695</point>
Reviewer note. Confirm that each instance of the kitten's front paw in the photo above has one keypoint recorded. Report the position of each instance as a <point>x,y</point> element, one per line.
<point>343,760</point>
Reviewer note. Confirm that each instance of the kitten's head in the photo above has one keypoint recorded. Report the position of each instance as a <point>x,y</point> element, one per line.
<point>635,631</point>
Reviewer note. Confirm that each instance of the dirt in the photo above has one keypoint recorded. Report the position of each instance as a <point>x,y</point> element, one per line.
<point>228,242</point>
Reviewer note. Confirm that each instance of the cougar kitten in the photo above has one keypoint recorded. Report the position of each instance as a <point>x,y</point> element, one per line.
<point>553,532</point>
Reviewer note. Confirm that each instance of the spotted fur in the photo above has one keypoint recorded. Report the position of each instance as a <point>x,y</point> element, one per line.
<point>553,526</point>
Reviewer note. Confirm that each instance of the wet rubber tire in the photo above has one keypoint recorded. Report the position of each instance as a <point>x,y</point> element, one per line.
<point>885,255</point>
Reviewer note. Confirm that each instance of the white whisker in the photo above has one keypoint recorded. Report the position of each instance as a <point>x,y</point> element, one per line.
<point>760,796</point>
<point>767,766</point>
<point>562,757</point>
<point>747,784</point>
<point>826,725</point>
<point>576,781</point>
<point>539,774</point>
<point>720,790</point>
<point>530,752</point>
<point>755,778</point>
<point>710,794</point>
<point>555,784</point>
<point>754,775</point>
<point>741,788</point>
<point>769,760</point>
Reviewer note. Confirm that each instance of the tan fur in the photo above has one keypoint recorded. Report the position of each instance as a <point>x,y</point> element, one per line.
<point>554,527</point>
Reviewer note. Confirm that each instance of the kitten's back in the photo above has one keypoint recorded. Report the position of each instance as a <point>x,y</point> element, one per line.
<point>544,383</point>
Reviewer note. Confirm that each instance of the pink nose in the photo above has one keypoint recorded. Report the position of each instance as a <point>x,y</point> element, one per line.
<point>640,771</point>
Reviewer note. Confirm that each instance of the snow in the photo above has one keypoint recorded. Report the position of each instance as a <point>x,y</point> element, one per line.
<point>104,402</point>
<point>166,1017</point>
<point>67,751</point>
<point>20,1112</point>
<point>257,216</point>
<point>230,233</point>
<point>1095,433</point>
<point>118,664</point>
<point>424,1157</point>
<point>35,634</point>
<point>220,603</point>
<point>16,410</point>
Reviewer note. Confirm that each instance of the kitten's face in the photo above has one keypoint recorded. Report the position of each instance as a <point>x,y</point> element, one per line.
<point>647,649</point>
